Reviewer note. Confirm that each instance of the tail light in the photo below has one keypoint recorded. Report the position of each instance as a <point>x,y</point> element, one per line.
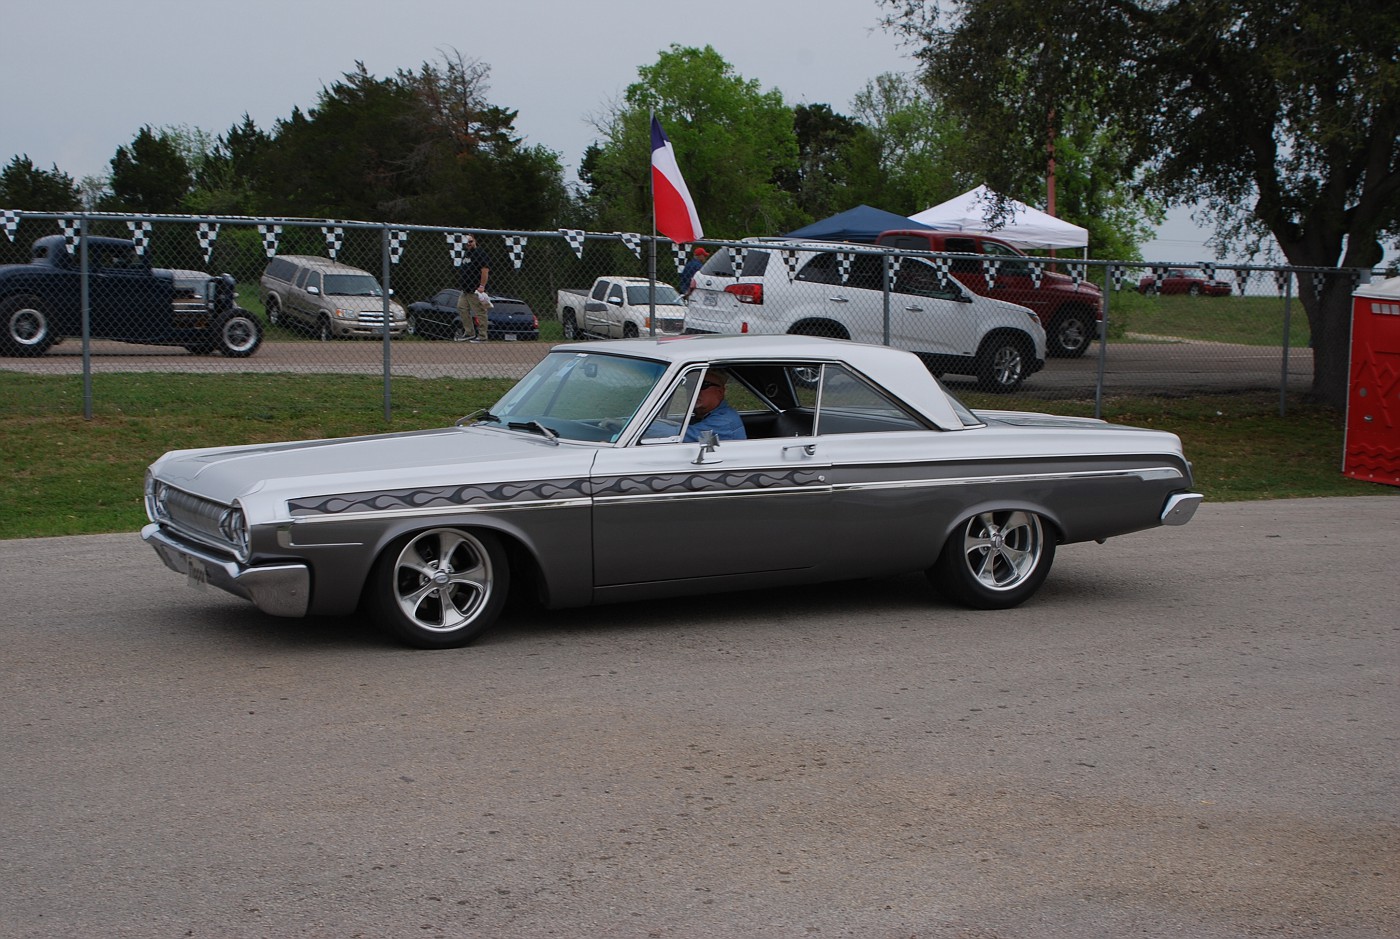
<point>746,293</point>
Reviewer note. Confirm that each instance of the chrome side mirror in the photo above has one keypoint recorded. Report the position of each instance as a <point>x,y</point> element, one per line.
<point>709,443</point>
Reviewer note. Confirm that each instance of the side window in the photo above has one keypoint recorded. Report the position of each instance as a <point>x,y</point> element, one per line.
<point>1011,261</point>
<point>822,269</point>
<point>919,278</point>
<point>963,246</point>
<point>313,280</point>
<point>669,422</point>
<point>844,403</point>
<point>867,272</point>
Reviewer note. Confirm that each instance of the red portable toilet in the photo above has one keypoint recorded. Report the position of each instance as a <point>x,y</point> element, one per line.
<point>1373,400</point>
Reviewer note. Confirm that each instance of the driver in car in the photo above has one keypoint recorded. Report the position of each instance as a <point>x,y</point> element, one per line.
<point>712,411</point>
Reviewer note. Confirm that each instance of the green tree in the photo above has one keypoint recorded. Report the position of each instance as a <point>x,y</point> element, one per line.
<point>151,175</point>
<point>225,177</point>
<point>23,186</point>
<point>1282,117</point>
<point>838,163</point>
<point>732,141</point>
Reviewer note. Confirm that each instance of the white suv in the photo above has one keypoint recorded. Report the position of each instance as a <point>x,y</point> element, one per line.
<point>820,289</point>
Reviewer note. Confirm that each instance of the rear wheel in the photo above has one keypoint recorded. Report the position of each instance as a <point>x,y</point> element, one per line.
<point>570,326</point>
<point>994,560</point>
<point>1002,363</point>
<point>274,312</point>
<point>28,331</point>
<point>440,588</point>
<point>629,330</point>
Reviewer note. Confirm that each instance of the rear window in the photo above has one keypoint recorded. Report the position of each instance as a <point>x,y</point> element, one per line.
<point>721,263</point>
<point>281,268</point>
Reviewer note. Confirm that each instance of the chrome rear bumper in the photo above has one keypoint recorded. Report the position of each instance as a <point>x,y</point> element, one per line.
<point>1181,507</point>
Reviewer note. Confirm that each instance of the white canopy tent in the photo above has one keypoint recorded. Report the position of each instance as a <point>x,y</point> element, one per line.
<point>1026,228</point>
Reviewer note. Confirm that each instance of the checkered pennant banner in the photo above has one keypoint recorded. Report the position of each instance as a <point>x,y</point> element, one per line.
<point>679,252</point>
<point>70,227</point>
<point>1242,278</point>
<point>140,235</point>
<point>1116,275</point>
<point>335,237</point>
<point>894,261</point>
<point>1208,271</point>
<point>844,260</point>
<point>736,253</point>
<point>1077,273</point>
<point>1158,275</point>
<point>208,234</point>
<point>515,244</point>
<point>941,267</point>
<point>11,223</point>
<point>790,259</point>
<point>1319,282</point>
<point>633,241</point>
<point>1037,274</point>
<point>991,267</point>
<point>1281,281</point>
<point>397,239</point>
<point>575,239</point>
<point>457,246</point>
<point>269,238</point>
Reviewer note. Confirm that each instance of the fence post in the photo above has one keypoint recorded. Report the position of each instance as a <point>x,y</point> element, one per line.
<point>387,324</point>
<point>86,290</point>
<point>1103,342</point>
<point>1287,331</point>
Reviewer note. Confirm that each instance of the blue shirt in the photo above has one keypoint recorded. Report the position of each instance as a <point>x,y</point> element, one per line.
<point>723,420</point>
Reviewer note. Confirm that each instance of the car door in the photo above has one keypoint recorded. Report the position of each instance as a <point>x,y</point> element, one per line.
<point>665,510</point>
<point>596,312</point>
<point>930,311</point>
<point>126,300</point>
<point>305,297</point>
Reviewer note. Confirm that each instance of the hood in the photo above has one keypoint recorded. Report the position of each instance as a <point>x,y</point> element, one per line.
<point>445,456</point>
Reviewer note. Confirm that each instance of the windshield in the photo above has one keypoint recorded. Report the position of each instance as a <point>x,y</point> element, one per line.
<point>578,396</point>
<point>640,295</point>
<point>352,285</point>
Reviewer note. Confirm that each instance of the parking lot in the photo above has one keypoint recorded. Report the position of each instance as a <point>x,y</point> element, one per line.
<point>1188,732</point>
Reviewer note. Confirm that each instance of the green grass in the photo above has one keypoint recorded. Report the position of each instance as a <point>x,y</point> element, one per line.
<point>1251,321</point>
<point>63,475</point>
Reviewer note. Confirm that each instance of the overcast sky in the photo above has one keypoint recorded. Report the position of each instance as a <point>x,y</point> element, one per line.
<point>78,79</point>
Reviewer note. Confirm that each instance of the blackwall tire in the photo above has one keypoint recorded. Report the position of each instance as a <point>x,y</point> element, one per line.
<point>440,588</point>
<point>995,560</point>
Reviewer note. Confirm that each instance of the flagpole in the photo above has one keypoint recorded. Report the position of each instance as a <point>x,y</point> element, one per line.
<point>651,264</point>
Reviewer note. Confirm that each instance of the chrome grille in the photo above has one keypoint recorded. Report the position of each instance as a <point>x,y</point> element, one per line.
<point>194,516</point>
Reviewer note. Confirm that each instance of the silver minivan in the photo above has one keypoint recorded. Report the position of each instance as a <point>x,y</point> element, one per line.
<point>327,298</point>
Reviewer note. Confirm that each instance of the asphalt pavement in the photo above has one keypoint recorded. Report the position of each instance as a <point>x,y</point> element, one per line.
<point>1189,732</point>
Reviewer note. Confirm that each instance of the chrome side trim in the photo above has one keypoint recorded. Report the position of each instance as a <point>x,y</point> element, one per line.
<point>1145,474</point>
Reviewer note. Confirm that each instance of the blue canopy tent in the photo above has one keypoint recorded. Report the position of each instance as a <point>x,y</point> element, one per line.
<point>861,224</point>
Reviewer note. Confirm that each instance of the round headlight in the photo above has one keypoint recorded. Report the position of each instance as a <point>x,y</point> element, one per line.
<point>234,527</point>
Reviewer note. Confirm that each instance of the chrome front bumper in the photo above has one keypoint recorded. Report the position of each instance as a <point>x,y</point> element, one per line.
<point>277,589</point>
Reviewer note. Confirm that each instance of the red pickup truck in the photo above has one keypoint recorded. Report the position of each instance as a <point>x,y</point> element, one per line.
<point>1070,310</point>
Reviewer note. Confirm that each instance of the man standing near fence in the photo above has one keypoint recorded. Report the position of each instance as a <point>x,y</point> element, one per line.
<point>474,302</point>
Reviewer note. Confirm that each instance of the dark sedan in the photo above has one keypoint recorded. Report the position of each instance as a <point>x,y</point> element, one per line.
<point>510,319</point>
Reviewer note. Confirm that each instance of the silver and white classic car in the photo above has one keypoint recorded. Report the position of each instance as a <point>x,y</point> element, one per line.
<point>589,478</point>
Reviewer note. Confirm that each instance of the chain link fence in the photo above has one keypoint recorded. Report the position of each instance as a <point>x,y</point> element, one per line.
<point>100,294</point>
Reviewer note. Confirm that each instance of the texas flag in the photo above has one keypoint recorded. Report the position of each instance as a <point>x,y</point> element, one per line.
<point>672,206</point>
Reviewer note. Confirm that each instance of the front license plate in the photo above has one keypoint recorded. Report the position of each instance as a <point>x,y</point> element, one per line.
<point>196,574</point>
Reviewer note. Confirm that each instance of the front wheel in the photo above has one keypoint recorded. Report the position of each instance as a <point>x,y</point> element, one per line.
<point>994,560</point>
<point>1002,364</point>
<point>274,311</point>
<point>28,331</point>
<point>323,331</point>
<point>440,588</point>
<point>239,335</point>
